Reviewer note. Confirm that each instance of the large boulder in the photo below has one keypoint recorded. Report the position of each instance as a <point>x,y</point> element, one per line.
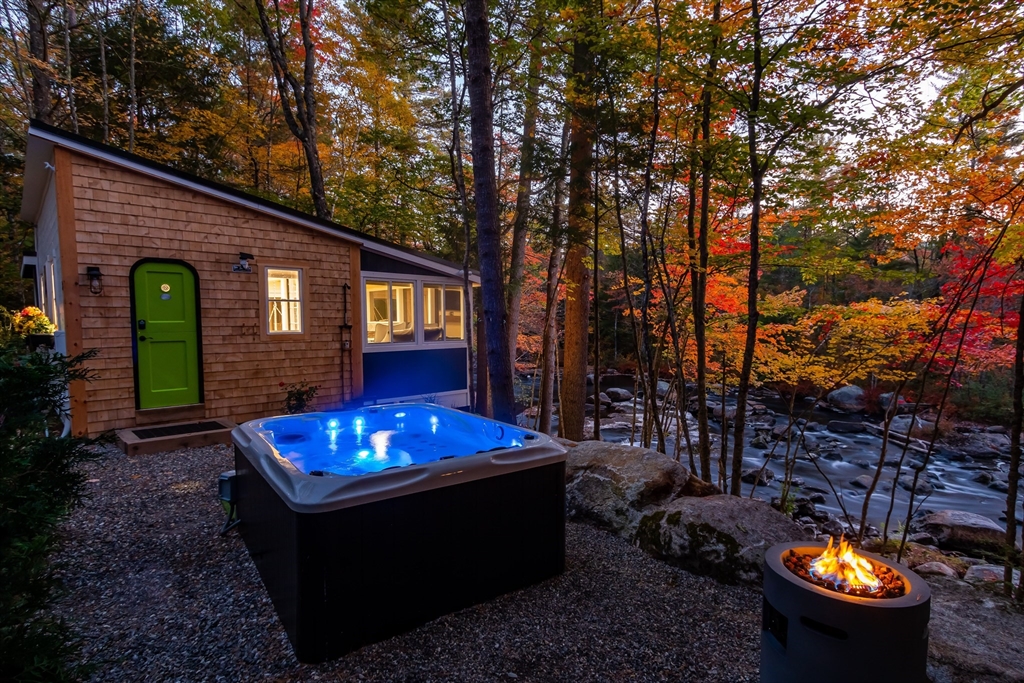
<point>721,536</point>
<point>985,446</point>
<point>849,398</point>
<point>611,485</point>
<point>619,395</point>
<point>964,531</point>
<point>906,425</point>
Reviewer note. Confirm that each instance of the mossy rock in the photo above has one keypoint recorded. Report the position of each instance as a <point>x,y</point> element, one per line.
<point>724,537</point>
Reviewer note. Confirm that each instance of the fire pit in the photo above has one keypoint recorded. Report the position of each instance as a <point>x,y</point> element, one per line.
<point>845,615</point>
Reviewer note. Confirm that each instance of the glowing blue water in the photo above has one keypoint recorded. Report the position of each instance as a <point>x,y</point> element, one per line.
<point>355,442</point>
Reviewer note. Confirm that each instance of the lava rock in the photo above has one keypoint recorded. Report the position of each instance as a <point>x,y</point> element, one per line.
<point>721,536</point>
<point>849,398</point>
<point>935,569</point>
<point>612,485</point>
<point>964,531</point>
<point>842,427</point>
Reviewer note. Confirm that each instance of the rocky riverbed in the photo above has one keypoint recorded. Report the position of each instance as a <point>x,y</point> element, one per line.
<point>837,450</point>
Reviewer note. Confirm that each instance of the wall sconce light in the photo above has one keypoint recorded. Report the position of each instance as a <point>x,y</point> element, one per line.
<point>243,263</point>
<point>95,277</point>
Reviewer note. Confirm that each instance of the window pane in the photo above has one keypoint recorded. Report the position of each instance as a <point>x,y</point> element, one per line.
<point>433,313</point>
<point>453,327</point>
<point>274,316</point>
<point>284,305</point>
<point>403,326</point>
<point>378,313</point>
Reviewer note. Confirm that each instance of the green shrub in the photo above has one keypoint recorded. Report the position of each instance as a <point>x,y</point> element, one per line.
<point>41,481</point>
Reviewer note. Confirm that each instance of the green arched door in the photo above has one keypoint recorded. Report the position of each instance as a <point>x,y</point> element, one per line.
<point>166,330</point>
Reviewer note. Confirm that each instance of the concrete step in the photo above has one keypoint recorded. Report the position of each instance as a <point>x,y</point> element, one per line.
<point>174,436</point>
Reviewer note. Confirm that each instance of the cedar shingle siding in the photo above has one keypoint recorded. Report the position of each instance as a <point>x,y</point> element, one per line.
<point>122,216</point>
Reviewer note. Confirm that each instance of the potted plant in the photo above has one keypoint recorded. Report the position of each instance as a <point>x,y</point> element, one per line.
<point>32,324</point>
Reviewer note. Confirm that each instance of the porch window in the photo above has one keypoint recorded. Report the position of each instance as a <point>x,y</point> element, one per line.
<point>442,313</point>
<point>390,312</point>
<point>284,301</point>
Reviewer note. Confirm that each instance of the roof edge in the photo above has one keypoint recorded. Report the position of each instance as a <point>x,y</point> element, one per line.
<point>42,137</point>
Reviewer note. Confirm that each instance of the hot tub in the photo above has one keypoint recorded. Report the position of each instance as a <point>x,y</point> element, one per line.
<point>366,523</point>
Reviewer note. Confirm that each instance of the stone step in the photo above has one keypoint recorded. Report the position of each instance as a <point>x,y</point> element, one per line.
<point>172,436</point>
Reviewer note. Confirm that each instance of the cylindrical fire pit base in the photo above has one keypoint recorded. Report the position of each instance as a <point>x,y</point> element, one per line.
<point>810,633</point>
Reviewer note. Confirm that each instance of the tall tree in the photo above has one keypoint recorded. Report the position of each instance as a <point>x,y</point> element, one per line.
<point>297,90</point>
<point>577,275</point>
<point>488,230</point>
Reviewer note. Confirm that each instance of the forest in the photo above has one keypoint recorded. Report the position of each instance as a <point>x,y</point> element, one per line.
<point>748,198</point>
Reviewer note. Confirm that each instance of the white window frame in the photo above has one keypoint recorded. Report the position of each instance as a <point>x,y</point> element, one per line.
<point>304,302</point>
<point>418,344</point>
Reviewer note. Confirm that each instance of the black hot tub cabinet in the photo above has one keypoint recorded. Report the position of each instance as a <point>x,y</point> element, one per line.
<point>350,559</point>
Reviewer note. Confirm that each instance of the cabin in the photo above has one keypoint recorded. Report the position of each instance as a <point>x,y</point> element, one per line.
<point>205,302</point>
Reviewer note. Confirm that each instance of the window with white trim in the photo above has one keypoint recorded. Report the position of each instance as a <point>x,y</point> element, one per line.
<point>442,313</point>
<point>284,300</point>
<point>390,312</point>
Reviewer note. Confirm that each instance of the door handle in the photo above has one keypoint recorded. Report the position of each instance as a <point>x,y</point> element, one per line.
<point>142,337</point>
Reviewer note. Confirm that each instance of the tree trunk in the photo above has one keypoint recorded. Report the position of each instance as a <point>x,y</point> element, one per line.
<point>757,177</point>
<point>133,103</point>
<point>577,275</point>
<point>298,95</point>
<point>555,261</point>
<point>519,225</point>
<point>1015,449</point>
<point>574,357</point>
<point>653,375</point>
<point>699,279</point>
<point>459,179</point>
<point>104,75</point>
<point>19,68</point>
<point>488,231</point>
<point>69,23</point>
<point>38,15</point>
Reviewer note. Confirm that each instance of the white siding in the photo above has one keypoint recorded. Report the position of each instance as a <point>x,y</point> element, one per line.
<point>48,277</point>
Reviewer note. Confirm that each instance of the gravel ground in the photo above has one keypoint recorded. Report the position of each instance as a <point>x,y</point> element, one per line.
<point>156,594</point>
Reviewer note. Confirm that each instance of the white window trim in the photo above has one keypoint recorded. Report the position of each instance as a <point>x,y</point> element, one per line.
<point>304,300</point>
<point>418,281</point>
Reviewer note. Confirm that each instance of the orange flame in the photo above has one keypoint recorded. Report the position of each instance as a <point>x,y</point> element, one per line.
<point>845,569</point>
